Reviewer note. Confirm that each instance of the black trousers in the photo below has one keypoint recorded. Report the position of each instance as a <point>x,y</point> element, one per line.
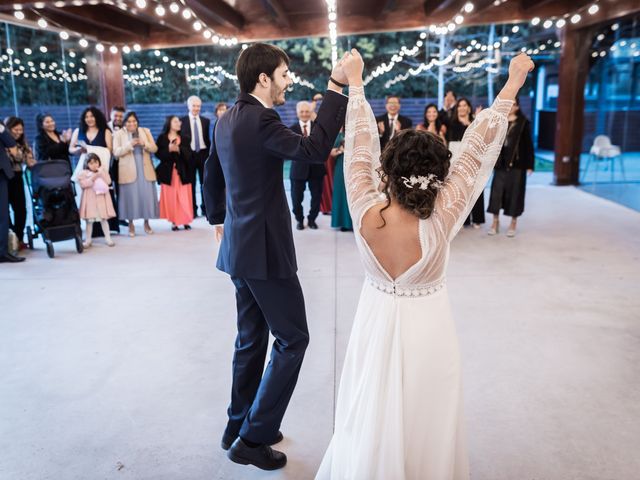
<point>259,401</point>
<point>477,212</point>
<point>18,202</point>
<point>4,214</point>
<point>297,195</point>
<point>197,169</point>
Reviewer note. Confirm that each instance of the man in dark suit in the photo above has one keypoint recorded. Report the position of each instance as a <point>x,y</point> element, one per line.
<point>244,189</point>
<point>392,122</point>
<point>6,173</point>
<point>196,129</point>
<point>303,173</point>
<point>448,108</point>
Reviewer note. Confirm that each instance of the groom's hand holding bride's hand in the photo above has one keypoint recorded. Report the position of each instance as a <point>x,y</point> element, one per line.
<point>353,66</point>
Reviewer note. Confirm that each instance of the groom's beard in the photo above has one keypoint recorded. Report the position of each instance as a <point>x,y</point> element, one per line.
<point>275,95</point>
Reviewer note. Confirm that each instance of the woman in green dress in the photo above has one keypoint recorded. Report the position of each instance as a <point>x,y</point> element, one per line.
<point>340,217</point>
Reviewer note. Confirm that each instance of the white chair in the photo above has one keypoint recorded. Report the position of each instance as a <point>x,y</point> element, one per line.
<point>602,150</point>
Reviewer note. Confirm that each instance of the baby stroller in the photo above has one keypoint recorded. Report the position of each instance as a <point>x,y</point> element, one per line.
<point>55,213</point>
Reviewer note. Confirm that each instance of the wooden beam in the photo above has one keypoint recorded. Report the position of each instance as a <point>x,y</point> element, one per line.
<point>533,4</point>
<point>609,10</point>
<point>88,27</point>
<point>105,19</point>
<point>573,73</point>
<point>169,21</point>
<point>278,12</point>
<point>217,12</point>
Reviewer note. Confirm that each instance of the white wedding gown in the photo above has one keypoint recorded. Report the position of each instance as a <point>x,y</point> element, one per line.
<point>399,410</point>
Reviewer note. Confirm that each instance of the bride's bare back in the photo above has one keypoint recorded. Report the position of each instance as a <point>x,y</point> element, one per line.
<point>396,245</point>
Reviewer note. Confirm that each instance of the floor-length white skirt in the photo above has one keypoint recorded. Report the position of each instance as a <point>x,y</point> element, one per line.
<point>399,412</point>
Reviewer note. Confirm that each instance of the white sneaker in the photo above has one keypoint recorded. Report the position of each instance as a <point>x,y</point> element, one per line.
<point>511,233</point>
<point>493,231</point>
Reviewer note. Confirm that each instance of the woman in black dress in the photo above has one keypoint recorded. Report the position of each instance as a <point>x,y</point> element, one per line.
<point>49,143</point>
<point>93,131</point>
<point>462,118</point>
<point>515,162</point>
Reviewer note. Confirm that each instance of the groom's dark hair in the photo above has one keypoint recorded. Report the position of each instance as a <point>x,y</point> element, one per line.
<point>256,59</point>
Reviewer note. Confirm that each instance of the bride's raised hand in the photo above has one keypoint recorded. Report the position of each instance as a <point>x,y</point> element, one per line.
<point>353,66</point>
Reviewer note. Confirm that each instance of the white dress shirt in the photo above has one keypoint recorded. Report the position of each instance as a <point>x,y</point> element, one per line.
<point>193,139</point>
<point>260,100</point>
<point>392,125</point>
<point>308,124</point>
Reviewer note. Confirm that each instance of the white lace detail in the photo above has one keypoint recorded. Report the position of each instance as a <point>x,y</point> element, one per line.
<point>470,170</point>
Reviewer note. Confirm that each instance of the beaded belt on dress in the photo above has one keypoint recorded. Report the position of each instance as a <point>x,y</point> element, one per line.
<point>406,291</point>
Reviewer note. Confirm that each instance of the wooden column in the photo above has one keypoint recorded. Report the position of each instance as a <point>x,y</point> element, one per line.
<point>105,83</point>
<point>574,69</point>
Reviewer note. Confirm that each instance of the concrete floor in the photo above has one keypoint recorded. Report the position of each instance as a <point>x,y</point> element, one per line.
<point>115,364</point>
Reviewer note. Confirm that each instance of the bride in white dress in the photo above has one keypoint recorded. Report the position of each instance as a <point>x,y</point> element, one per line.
<point>399,409</point>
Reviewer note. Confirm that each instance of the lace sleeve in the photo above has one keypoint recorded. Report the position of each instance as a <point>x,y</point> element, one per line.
<point>472,166</point>
<point>361,155</point>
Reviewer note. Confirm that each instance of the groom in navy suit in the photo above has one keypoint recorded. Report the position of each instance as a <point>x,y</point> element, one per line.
<point>243,188</point>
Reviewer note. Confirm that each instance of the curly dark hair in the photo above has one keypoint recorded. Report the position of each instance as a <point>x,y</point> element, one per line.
<point>101,121</point>
<point>413,153</point>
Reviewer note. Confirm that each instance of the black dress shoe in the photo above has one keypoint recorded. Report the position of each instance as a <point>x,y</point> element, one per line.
<point>312,224</point>
<point>187,227</point>
<point>174,228</point>
<point>300,225</point>
<point>8,258</point>
<point>262,456</point>
<point>227,440</point>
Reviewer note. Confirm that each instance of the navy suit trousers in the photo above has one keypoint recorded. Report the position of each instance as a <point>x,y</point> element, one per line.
<point>259,401</point>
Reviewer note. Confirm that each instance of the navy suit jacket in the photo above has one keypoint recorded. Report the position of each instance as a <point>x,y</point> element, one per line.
<point>6,141</point>
<point>305,170</point>
<point>243,184</point>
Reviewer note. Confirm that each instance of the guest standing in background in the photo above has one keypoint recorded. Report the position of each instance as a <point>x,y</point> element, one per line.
<point>96,205</point>
<point>133,146</point>
<point>195,133</point>
<point>115,124</point>
<point>515,162</point>
<point>305,173</point>
<point>7,145</point>
<point>93,131</point>
<point>431,122</point>
<point>392,122</point>
<point>174,175</point>
<point>23,157</point>
<point>50,144</point>
<point>221,109</point>
<point>448,108</point>
<point>462,118</point>
<point>340,216</point>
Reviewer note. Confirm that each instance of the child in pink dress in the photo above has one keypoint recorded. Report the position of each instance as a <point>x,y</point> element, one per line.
<point>95,204</point>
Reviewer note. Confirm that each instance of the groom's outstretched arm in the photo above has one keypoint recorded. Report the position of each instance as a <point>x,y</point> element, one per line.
<point>315,148</point>
<point>214,187</point>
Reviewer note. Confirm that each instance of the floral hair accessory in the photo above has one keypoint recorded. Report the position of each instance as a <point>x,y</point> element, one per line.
<point>423,182</point>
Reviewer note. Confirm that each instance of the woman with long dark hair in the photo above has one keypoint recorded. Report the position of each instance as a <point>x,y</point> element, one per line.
<point>92,130</point>
<point>50,144</point>
<point>432,122</point>
<point>515,162</point>
<point>176,204</point>
<point>462,118</point>
<point>22,158</point>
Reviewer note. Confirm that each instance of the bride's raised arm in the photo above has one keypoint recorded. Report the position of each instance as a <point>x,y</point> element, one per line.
<point>476,157</point>
<point>361,154</point>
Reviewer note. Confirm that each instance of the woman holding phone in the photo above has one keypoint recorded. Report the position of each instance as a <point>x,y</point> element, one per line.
<point>133,146</point>
<point>176,204</point>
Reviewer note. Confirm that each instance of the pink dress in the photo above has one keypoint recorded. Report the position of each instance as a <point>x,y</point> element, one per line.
<point>94,206</point>
<point>176,203</point>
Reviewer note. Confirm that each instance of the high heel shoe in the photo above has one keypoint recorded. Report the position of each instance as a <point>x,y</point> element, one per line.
<point>148,230</point>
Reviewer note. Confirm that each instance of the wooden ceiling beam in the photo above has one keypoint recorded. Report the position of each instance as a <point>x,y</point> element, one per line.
<point>169,21</point>
<point>87,27</point>
<point>217,12</point>
<point>278,12</point>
